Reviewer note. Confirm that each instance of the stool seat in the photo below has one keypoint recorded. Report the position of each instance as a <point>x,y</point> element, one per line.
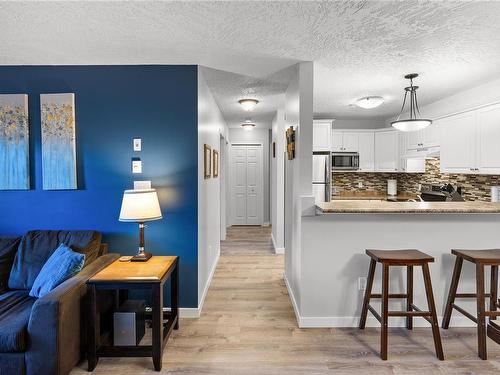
<point>479,256</point>
<point>403,257</point>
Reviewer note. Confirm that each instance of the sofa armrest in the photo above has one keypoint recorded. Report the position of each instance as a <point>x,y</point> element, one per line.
<point>55,328</point>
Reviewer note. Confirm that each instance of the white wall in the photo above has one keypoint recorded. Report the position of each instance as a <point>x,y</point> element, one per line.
<point>359,124</point>
<point>240,135</point>
<point>211,126</point>
<point>278,182</point>
<point>298,172</point>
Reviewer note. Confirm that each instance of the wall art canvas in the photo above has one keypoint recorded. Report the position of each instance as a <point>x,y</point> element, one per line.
<point>14,142</point>
<point>58,141</point>
<point>216,163</point>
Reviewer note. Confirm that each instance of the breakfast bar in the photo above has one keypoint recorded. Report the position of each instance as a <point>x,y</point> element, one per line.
<point>334,264</point>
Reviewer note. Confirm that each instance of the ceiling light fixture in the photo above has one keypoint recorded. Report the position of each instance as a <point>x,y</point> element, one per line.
<point>248,125</point>
<point>248,104</point>
<point>414,122</point>
<point>369,102</point>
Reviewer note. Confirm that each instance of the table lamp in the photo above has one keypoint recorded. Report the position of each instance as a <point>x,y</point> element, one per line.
<point>139,206</point>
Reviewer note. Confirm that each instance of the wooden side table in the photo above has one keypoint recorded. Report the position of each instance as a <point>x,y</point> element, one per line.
<point>135,275</point>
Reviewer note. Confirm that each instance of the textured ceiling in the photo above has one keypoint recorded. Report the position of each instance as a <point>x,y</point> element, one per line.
<point>359,47</point>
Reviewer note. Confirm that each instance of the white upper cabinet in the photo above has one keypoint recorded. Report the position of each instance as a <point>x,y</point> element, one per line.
<point>428,137</point>
<point>458,143</point>
<point>351,142</point>
<point>414,164</point>
<point>322,135</point>
<point>386,151</point>
<point>345,141</point>
<point>366,142</point>
<point>337,141</point>
<point>488,140</point>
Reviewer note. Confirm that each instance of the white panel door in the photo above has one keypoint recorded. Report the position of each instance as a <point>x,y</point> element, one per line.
<point>488,142</point>
<point>239,184</point>
<point>247,192</point>
<point>458,143</point>
<point>366,152</point>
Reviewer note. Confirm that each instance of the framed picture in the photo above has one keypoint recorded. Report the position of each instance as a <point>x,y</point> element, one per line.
<point>14,142</point>
<point>216,163</point>
<point>58,141</point>
<point>274,149</point>
<point>207,161</point>
<point>290,143</point>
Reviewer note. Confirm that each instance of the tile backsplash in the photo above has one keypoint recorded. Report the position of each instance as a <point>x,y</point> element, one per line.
<point>474,187</point>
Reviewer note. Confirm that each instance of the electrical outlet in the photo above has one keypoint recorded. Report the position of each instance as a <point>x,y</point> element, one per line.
<point>136,165</point>
<point>360,184</point>
<point>362,283</point>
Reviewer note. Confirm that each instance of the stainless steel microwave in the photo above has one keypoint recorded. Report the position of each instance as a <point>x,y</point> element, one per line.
<point>345,161</point>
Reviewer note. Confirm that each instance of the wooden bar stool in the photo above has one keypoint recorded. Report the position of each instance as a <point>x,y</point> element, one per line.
<point>480,258</point>
<point>408,258</point>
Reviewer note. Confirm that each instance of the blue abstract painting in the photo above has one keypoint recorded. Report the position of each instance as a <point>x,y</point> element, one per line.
<point>58,141</point>
<point>14,142</point>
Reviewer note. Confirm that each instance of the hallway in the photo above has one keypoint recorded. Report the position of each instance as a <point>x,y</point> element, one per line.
<point>248,327</point>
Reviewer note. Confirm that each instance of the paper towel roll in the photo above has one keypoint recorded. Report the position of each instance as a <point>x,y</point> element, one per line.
<point>392,187</point>
<point>495,192</point>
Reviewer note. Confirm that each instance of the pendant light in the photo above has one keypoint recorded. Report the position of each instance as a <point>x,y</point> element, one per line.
<point>414,122</point>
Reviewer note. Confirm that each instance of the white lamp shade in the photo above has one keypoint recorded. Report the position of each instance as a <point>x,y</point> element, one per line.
<point>140,205</point>
<point>411,125</point>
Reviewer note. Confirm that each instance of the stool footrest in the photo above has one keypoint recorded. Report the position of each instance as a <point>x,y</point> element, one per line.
<point>493,332</point>
<point>391,295</point>
<point>375,313</point>
<point>466,313</point>
<point>409,313</point>
<point>471,295</point>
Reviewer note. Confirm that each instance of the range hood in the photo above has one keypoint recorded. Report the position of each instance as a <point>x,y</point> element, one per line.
<point>423,153</point>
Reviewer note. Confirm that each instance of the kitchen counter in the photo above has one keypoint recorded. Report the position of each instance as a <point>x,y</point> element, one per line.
<point>371,206</point>
<point>372,195</point>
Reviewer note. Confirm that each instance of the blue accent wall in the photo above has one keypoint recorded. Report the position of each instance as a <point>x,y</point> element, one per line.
<point>115,104</point>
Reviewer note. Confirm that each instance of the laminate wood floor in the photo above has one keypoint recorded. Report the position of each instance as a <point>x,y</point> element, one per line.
<point>248,327</point>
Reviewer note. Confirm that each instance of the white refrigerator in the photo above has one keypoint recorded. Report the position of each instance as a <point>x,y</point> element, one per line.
<point>321,173</point>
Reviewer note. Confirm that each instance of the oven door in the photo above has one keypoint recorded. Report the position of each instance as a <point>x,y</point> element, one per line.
<point>345,161</point>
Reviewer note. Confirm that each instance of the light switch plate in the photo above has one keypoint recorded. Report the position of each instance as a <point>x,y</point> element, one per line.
<point>140,185</point>
<point>136,166</point>
<point>137,144</point>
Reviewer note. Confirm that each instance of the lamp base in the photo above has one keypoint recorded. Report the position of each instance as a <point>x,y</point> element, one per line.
<point>141,257</point>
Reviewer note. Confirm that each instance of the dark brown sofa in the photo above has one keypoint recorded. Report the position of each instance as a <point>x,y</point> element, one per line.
<point>44,335</point>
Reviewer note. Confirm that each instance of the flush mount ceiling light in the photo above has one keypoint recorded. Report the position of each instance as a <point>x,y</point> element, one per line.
<point>414,122</point>
<point>248,125</point>
<point>248,104</point>
<point>369,102</point>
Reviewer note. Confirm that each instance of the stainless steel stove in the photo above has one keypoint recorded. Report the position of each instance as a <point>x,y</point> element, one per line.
<point>438,193</point>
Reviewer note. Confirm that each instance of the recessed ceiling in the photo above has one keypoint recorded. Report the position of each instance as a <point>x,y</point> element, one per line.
<point>360,48</point>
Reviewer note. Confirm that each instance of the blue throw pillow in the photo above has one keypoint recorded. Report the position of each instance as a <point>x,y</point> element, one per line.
<point>62,264</point>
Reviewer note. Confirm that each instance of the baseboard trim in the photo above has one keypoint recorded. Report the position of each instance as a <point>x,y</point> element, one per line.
<point>266,224</point>
<point>292,298</point>
<point>277,250</point>
<point>353,321</point>
<point>193,314</point>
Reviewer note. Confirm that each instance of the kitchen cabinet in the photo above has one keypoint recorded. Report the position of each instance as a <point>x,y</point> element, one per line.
<point>386,151</point>
<point>488,138</point>
<point>345,141</point>
<point>322,135</point>
<point>425,138</point>
<point>366,146</point>
<point>458,143</point>
<point>408,164</point>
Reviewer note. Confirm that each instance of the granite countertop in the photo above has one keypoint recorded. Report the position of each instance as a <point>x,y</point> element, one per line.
<point>361,207</point>
<point>373,195</point>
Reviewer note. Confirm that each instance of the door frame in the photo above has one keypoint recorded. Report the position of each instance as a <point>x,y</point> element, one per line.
<point>260,144</point>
